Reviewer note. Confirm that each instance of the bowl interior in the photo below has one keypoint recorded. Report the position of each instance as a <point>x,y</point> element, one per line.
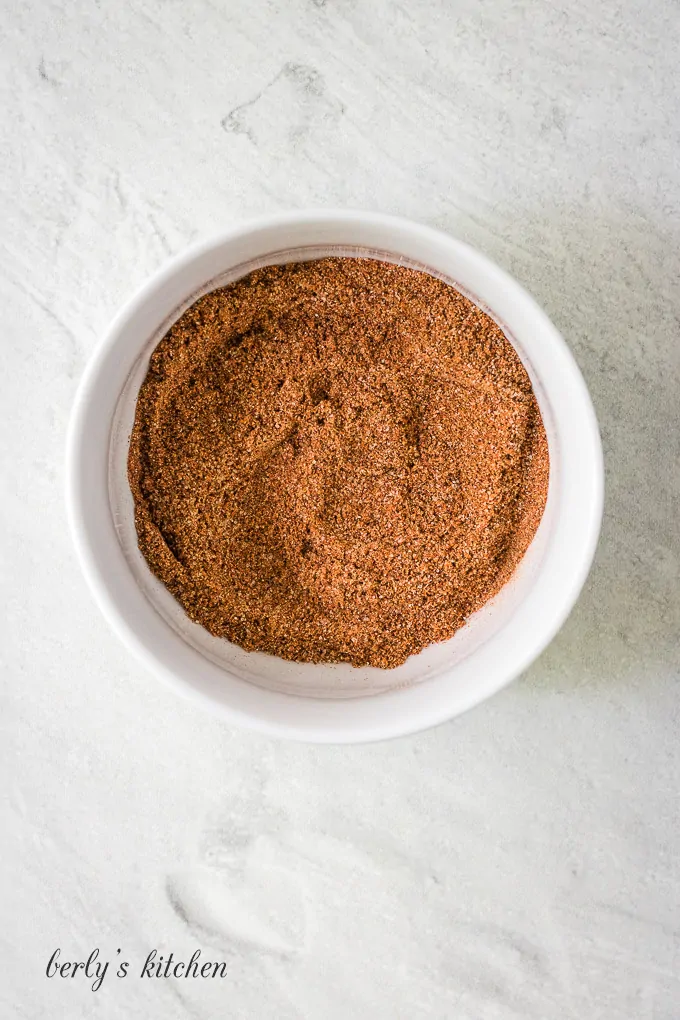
<point>306,679</point>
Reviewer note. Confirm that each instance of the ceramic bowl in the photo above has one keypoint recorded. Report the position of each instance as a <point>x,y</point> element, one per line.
<point>332,703</point>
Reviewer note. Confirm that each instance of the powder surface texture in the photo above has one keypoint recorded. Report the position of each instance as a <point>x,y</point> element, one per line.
<point>336,460</point>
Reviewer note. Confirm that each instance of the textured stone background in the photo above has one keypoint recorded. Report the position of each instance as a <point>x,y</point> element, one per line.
<point>520,862</point>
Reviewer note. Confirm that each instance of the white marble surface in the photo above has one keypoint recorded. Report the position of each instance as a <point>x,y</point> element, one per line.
<point>522,861</point>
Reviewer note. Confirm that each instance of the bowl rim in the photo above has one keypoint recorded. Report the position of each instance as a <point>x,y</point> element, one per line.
<point>321,721</point>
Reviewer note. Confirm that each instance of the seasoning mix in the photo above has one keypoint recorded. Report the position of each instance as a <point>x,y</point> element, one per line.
<point>336,460</point>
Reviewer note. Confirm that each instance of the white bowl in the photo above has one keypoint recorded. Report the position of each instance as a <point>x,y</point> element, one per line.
<point>332,703</point>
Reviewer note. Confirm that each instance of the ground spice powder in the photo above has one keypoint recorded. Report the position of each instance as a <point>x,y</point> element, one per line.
<point>336,460</point>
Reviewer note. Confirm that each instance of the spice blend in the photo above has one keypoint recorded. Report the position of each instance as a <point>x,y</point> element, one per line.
<point>337,460</point>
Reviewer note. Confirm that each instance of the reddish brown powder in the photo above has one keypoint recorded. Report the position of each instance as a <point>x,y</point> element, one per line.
<point>336,460</point>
